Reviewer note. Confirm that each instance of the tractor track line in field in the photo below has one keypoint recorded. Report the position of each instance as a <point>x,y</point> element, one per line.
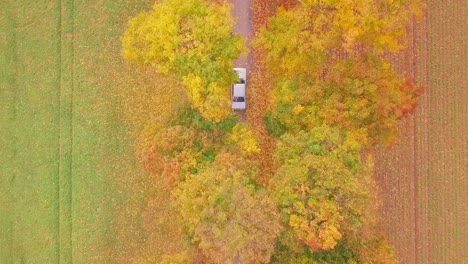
<point>65,135</point>
<point>427,91</point>
<point>72,92</point>
<point>415,156</point>
<point>59,138</point>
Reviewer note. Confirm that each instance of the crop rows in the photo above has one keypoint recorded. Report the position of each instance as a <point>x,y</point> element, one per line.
<point>423,179</point>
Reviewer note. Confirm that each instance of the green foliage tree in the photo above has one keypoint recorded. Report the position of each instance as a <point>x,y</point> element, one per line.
<point>192,39</point>
<point>290,252</point>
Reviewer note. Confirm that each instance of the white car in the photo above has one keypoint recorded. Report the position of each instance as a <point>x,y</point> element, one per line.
<point>238,90</point>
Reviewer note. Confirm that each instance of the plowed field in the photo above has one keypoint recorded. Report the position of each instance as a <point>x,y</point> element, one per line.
<point>423,179</point>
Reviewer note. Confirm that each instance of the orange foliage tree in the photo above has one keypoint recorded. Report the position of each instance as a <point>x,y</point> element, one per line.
<point>318,204</point>
<point>359,95</point>
<point>333,96</point>
<point>325,56</point>
<point>201,152</point>
<point>224,211</point>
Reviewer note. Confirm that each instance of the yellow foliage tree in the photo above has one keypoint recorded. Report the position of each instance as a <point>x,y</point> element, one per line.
<point>363,96</point>
<point>299,39</point>
<point>194,40</point>
<point>227,214</point>
<point>325,56</point>
<point>244,138</point>
<point>324,194</point>
<point>333,96</point>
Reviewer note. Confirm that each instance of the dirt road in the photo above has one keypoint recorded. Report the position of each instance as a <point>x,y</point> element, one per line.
<point>242,12</point>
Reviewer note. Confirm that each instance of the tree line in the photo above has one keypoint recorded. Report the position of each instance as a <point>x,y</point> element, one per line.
<point>334,97</point>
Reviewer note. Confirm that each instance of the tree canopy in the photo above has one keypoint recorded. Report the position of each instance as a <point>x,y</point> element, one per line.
<point>325,56</point>
<point>301,40</point>
<point>194,40</point>
<point>333,97</point>
<point>226,212</point>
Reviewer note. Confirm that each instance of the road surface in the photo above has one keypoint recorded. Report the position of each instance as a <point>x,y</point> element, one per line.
<point>242,12</point>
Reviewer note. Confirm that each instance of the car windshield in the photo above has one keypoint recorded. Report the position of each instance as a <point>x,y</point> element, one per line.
<point>238,99</point>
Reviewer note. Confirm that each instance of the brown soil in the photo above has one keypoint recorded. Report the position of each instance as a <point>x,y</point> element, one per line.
<point>422,179</point>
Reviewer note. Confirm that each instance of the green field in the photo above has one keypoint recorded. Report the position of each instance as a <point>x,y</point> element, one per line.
<point>70,187</point>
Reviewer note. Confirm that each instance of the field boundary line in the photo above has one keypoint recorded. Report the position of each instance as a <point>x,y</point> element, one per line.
<point>425,106</point>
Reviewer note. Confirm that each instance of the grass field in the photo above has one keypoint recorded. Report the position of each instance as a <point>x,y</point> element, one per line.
<point>70,186</point>
<point>423,179</point>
